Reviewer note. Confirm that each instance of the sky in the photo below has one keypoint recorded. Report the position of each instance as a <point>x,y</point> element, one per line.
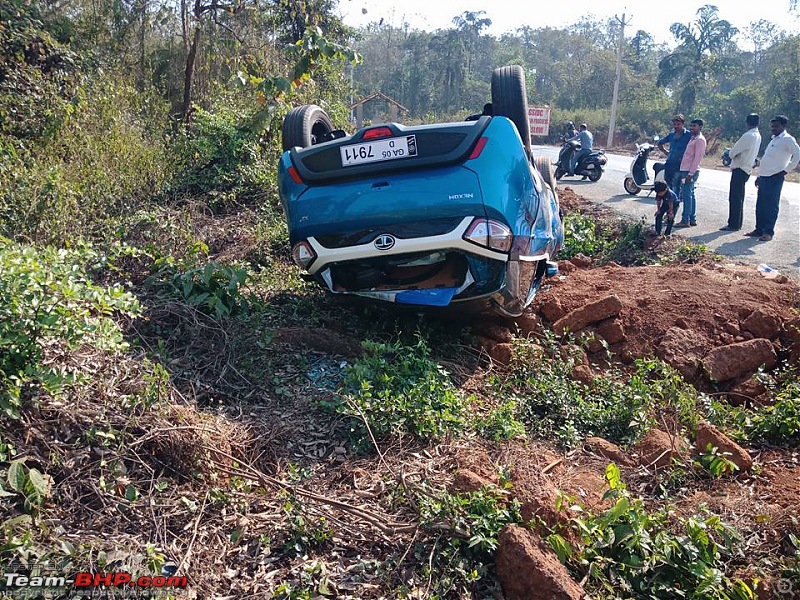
<point>508,15</point>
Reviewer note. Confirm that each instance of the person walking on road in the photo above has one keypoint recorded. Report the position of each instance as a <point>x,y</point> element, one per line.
<point>689,172</point>
<point>780,158</point>
<point>677,139</point>
<point>743,158</point>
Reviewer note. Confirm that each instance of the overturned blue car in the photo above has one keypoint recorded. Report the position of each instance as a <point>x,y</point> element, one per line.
<point>437,215</point>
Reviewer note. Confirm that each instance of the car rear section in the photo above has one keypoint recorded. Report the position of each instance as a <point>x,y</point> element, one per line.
<point>424,215</point>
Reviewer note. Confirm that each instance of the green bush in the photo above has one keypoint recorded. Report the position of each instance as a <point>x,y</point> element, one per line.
<point>221,150</point>
<point>474,521</point>
<point>38,76</point>
<point>580,236</point>
<point>630,551</point>
<point>47,299</point>
<point>399,390</point>
<point>103,160</point>
<point>777,424</point>
<point>552,404</point>
<point>213,288</point>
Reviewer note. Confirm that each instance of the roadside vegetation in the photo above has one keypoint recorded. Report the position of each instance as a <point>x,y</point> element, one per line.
<point>175,398</point>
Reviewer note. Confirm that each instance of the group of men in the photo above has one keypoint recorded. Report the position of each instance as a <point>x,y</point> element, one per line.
<point>682,169</point>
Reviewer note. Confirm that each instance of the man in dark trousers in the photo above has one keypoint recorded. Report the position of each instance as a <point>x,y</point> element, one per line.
<point>743,158</point>
<point>780,158</point>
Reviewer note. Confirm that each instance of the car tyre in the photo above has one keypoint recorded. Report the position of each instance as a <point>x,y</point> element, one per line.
<point>510,100</point>
<point>545,168</point>
<point>305,126</point>
<point>631,187</point>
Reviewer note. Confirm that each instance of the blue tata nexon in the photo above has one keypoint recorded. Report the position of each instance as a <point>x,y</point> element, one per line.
<point>430,215</point>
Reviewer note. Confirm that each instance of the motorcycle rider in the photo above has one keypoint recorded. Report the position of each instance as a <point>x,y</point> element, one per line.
<point>586,139</point>
<point>569,131</point>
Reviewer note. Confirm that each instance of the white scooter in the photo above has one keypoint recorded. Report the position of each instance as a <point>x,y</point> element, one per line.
<point>638,178</point>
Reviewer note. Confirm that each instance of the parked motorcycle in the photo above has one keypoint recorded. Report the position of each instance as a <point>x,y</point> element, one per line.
<point>590,165</point>
<point>638,178</point>
<point>727,160</point>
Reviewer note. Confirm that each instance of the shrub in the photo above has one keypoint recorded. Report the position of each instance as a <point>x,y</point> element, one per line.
<point>46,299</point>
<point>474,520</point>
<point>103,160</point>
<point>222,151</point>
<point>212,288</point>
<point>776,424</point>
<point>580,236</point>
<point>551,403</point>
<point>630,551</point>
<point>399,390</point>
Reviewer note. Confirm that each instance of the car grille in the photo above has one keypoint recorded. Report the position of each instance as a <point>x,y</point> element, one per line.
<point>403,231</point>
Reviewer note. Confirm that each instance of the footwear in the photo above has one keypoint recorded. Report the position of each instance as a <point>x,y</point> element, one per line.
<point>681,224</point>
<point>693,223</point>
<point>754,233</point>
<point>765,238</point>
<point>728,228</point>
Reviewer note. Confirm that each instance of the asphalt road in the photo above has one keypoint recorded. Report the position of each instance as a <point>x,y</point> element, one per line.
<point>782,253</point>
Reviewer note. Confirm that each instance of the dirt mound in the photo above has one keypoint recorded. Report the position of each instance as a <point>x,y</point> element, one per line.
<point>569,200</point>
<point>678,312</point>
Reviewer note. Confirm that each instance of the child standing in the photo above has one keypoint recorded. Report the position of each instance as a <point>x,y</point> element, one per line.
<point>667,205</point>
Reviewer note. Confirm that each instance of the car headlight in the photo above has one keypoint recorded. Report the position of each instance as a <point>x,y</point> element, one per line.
<point>489,234</point>
<point>303,255</point>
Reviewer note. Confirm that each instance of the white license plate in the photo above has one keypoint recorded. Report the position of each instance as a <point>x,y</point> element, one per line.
<point>379,150</point>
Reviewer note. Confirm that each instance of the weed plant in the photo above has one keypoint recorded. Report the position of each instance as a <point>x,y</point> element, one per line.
<point>776,424</point>
<point>581,236</point>
<point>48,299</point>
<point>465,530</point>
<point>550,403</point>
<point>398,390</point>
<point>632,551</point>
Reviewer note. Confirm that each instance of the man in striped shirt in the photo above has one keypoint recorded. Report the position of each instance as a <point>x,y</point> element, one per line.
<point>690,171</point>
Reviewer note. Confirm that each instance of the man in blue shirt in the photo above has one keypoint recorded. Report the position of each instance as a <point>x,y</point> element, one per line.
<point>586,139</point>
<point>677,139</point>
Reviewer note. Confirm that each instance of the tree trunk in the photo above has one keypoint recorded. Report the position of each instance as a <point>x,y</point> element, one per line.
<point>188,77</point>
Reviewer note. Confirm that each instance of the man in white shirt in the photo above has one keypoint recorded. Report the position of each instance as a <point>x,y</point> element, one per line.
<point>743,157</point>
<point>780,158</point>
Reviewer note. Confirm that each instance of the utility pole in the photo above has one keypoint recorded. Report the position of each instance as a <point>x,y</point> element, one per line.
<point>620,45</point>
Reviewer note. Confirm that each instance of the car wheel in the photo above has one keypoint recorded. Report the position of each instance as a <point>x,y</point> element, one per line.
<point>305,126</point>
<point>595,175</point>
<point>631,187</point>
<point>510,100</point>
<point>545,168</point>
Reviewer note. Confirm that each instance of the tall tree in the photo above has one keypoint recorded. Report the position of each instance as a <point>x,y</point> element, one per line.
<point>471,24</point>
<point>700,46</point>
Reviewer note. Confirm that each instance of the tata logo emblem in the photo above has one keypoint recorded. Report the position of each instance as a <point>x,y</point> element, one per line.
<point>384,242</point>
